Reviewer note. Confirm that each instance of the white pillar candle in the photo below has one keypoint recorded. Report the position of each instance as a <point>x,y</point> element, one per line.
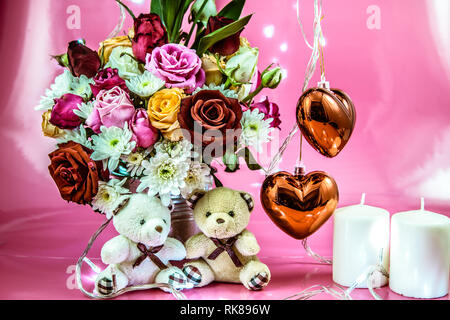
<point>420,254</point>
<point>361,238</point>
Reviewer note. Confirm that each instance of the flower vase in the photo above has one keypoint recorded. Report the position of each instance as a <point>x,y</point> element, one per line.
<point>183,223</point>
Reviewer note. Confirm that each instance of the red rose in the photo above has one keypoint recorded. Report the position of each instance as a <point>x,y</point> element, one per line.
<point>227,46</point>
<point>75,174</point>
<point>211,110</point>
<point>82,60</point>
<point>62,115</point>
<point>107,79</point>
<point>149,33</point>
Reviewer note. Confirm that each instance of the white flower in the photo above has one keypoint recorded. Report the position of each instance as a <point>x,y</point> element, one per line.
<point>110,195</point>
<point>60,87</point>
<point>145,85</point>
<point>255,130</point>
<point>134,162</point>
<point>65,83</point>
<point>127,66</point>
<point>165,176</point>
<point>78,135</point>
<point>198,178</point>
<point>181,149</point>
<point>226,92</point>
<point>242,65</point>
<point>81,86</point>
<point>84,110</point>
<point>111,144</point>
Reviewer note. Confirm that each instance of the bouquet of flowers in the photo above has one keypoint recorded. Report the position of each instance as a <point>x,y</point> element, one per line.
<point>150,111</point>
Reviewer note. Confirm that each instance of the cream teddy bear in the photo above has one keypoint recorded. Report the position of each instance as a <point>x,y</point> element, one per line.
<point>225,251</point>
<point>141,253</point>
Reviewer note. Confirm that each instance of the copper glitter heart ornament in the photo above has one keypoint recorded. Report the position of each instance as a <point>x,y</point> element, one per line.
<point>299,204</point>
<point>327,119</point>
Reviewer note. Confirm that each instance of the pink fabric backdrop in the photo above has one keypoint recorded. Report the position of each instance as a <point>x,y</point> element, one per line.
<point>398,76</point>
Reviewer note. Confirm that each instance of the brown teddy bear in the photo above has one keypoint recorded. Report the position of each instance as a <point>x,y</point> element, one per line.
<point>225,251</point>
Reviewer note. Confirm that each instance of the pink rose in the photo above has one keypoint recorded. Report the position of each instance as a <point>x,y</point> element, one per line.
<point>107,79</point>
<point>178,66</point>
<point>112,108</point>
<point>143,132</point>
<point>62,114</point>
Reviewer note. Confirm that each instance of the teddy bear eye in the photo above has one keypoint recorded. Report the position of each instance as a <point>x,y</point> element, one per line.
<point>208,214</point>
<point>142,222</point>
<point>164,220</point>
<point>231,214</point>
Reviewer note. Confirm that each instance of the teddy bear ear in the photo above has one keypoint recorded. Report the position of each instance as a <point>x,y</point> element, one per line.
<point>249,200</point>
<point>195,197</point>
<point>121,206</point>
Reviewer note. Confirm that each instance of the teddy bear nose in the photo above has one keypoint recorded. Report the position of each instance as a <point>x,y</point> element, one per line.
<point>159,229</point>
<point>220,221</point>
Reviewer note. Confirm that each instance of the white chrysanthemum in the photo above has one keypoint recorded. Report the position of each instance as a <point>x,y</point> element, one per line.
<point>181,149</point>
<point>226,92</point>
<point>81,86</point>
<point>165,176</point>
<point>255,130</point>
<point>198,178</point>
<point>145,85</point>
<point>84,110</point>
<point>60,87</point>
<point>110,195</point>
<point>78,135</point>
<point>65,83</point>
<point>134,162</point>
<point>121,60</point>
<point>111,144</point>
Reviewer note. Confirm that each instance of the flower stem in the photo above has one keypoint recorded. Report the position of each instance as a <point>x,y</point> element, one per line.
<point>194,22</point>
<point>250,97</point>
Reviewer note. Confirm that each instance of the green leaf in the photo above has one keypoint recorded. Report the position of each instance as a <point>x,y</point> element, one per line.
<point>62,60</point>
<point>172,13</point>
<point>156,7</point>
<point>217,182</point>
<point>202,10</point>
<point>249,159</point>
<point>231,161</point>
<point>126,8</point>
<point>232,10</point>
<point>223,33</point>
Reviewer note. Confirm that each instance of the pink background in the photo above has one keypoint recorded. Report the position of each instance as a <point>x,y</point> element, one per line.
<point>398,77</point>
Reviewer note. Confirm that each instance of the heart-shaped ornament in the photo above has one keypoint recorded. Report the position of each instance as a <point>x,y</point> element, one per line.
<point>300,204</point>
<point>327,119</point>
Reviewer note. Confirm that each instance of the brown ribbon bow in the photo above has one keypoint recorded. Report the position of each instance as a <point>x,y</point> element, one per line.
<point>228,247</point>
<point>150,253</point>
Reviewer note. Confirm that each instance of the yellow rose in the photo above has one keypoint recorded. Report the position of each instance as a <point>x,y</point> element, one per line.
<point>108,45</point>
<point>163,109</point>
<point>212,71</point>
<point>48,129</point>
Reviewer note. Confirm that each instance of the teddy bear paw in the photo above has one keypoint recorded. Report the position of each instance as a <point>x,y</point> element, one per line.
<point>193,275</point>
<point>259,281</point>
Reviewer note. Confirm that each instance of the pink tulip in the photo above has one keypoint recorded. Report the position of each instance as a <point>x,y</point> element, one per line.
<point>144,133</point>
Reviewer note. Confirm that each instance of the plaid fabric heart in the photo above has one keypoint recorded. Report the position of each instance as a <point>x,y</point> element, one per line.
<point>177,280</point>
<point>105,286</point>
<point>193,275</point>
<point>258,282</point>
